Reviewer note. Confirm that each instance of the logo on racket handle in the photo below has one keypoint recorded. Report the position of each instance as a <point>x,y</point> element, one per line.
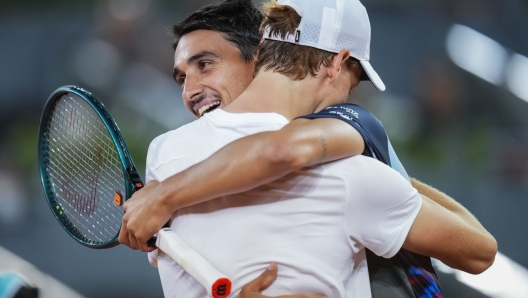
<point>222,288</point>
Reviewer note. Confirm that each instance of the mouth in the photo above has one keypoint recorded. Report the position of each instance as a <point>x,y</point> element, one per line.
<point>209,108</point>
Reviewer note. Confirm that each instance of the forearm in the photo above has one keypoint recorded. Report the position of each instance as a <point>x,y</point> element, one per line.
<point>261,158</point>
<point>447,202</point>
<point>242,165</point>
<point>473,248</point>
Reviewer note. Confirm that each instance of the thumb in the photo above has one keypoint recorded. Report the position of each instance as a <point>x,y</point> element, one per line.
<point>263,281</point>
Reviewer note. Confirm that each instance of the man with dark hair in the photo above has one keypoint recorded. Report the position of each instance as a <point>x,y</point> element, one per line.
<point>239,21</point>
<point>334,138</point>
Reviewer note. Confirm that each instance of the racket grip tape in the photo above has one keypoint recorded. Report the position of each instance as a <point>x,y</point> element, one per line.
<point>216,283</point>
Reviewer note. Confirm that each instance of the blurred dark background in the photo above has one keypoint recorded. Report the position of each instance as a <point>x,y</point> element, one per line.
<point>456,110</point>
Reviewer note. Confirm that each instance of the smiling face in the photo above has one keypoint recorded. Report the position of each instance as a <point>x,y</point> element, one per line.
<point>210,70</point>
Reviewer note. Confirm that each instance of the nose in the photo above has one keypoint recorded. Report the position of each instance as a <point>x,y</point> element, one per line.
<point>191,89</point>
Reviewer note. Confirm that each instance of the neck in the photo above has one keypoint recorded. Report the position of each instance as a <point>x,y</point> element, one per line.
<point>271,92</point>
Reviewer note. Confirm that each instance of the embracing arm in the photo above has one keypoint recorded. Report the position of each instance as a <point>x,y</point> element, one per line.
<point>264,157</point>
<point>450,204</point>
<point>241,165</point>
<point>447,231</point>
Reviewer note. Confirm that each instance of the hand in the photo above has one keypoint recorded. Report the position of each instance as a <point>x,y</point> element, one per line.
<point>144,216</point>
<point>255,288</point>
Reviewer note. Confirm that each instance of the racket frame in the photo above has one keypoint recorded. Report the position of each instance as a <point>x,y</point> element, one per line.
<point>216,284</point>
<point>131,177</point>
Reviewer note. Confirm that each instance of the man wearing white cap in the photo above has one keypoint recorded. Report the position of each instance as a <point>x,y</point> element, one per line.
<point>337,25</point>
<point>337,219</point>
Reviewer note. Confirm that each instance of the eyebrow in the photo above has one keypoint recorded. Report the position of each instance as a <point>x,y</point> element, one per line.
<point>193,58</point>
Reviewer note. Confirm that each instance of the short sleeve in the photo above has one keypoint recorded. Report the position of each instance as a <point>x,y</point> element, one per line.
<point>377,144</point>
<point>381,208</point>
<point>370,128</point>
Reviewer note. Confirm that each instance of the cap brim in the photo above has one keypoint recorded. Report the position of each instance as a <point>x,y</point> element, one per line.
<point>372,75</point>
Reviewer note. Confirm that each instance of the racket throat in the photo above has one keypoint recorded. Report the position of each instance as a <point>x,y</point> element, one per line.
<point>134,177</point>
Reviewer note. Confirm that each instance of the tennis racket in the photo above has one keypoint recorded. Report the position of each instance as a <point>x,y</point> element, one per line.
<point>87,174</point>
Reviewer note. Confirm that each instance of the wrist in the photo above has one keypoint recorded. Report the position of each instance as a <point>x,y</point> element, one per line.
<point>165,198</point>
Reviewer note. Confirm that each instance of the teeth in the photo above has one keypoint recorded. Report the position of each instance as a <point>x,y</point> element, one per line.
<point>202,110</point>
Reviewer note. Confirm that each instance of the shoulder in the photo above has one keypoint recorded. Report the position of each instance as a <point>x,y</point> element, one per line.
<point>370,128</point>
<point>345,111</point>
<point>172,144</point>
<point>360,114</point>
<point>173,135</point>
<point>353,114</point>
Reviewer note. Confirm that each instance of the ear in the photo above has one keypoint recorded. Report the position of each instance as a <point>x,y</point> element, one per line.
<point>337,64</point>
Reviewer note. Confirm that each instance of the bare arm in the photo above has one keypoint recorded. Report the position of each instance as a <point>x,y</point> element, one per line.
<point>449,203</point>
<point>241,165</point>
<point>447,231</point>
<point>270,155</point>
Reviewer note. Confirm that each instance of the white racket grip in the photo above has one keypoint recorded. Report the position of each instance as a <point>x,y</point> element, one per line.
<point>216,283</point>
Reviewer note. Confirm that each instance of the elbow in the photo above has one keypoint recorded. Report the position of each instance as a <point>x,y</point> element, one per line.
<point>488,255</point>
<point>483,259</point>
<point>479,266</point>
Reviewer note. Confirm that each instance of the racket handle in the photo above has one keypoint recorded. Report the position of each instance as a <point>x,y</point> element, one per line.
<point>216,283</point>
<point>152,241</point>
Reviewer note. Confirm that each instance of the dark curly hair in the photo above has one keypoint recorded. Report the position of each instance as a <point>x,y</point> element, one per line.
<point>238,20</point>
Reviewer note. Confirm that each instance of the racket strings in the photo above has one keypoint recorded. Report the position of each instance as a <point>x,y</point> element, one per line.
<point>83,203</point>
<point>85,169</point>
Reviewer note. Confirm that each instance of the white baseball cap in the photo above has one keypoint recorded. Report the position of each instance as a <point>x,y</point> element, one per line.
<point>333,25</point>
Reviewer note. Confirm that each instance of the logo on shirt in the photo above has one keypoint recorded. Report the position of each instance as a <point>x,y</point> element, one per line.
<point>341,114</point>
<point>350,111</point>
<point>347,113</point>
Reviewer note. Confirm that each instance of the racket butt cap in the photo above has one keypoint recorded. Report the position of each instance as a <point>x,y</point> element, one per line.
<point>221,288</point>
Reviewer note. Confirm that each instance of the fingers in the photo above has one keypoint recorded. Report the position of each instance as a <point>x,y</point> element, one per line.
<point>141,219</point>
<point>133,243</point>
<point>266,278</point>
<point>126,236</point>
<point>123,236</point>
<point>260,283</point>
<point>144,245</point>
<point>132,238</point>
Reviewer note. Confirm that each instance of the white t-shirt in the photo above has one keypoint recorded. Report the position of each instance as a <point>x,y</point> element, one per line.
<point>314,222</point>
